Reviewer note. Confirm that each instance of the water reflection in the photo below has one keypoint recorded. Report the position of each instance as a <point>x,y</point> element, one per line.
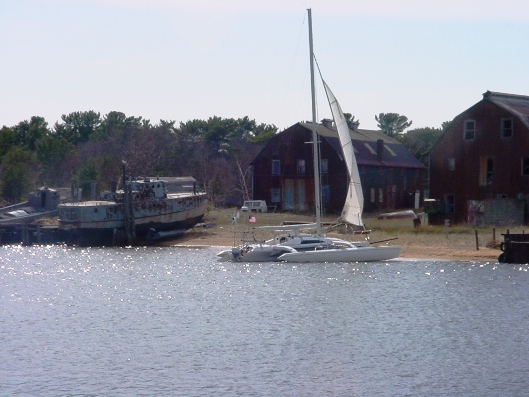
<point>173,321</point>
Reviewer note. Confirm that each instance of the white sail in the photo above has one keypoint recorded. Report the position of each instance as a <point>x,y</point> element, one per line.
<point>354,203</point>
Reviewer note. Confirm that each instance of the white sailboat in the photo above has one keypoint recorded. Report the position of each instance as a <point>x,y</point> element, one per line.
<point>353,207</point>
<point>287,239</point>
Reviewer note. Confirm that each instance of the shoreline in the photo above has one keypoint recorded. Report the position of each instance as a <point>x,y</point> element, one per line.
<point>434,247</point>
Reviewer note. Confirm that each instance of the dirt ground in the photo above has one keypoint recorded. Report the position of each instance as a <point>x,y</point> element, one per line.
<point>218,230</point>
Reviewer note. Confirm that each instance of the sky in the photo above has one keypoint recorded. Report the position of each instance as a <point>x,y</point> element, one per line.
<point>182,60</point>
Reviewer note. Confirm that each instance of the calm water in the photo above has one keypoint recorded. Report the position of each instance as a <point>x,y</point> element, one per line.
<point>174,322</point>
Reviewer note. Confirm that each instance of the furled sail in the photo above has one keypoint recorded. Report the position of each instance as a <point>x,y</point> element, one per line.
<point>354,203</point>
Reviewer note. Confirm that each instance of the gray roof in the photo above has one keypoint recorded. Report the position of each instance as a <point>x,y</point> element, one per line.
<point>517,105</point>
<point>365,144</point>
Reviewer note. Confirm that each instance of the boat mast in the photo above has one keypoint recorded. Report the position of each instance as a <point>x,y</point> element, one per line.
<point>316,153</point>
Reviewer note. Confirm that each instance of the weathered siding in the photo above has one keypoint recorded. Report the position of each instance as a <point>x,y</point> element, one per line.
<point>465,182</point>
<point>395,176</point>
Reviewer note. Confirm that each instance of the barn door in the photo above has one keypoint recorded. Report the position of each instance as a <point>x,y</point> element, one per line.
<point>294,195</point>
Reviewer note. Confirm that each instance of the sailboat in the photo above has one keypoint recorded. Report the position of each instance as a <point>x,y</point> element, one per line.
<point>353,207</point>
<point>287,239</point>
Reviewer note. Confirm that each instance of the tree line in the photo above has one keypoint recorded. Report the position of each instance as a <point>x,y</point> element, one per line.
<point>419,141</point>
<point>85,146</point>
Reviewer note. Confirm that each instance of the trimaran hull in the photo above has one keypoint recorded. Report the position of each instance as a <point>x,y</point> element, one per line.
<point>354,254</point>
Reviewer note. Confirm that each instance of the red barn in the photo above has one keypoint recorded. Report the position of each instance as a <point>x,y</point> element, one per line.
<point>479,168</point>
<point>283,171</point>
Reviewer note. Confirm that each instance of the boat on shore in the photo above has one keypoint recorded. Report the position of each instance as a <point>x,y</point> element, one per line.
<point>340,251</point>
<point>287,239</point>
<point>297,247</point>
<point>146,207</point>
<point>41,204</point>
<point>351,253</point>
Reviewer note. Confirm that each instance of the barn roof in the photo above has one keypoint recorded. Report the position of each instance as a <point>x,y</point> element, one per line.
<point>517,105</point>
<point>395,154</point>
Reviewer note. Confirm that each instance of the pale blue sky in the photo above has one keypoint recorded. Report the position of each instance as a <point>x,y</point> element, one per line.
<point>181,60</point>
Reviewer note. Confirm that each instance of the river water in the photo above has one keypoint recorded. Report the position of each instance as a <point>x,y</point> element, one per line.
<point>175,322</point>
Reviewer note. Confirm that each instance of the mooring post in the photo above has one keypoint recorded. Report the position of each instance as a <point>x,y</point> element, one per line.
<point>128,213</point>
<point>132,223</point>
<point>25,236</point>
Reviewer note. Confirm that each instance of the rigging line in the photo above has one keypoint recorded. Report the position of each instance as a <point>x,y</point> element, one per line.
<point>318,66</point>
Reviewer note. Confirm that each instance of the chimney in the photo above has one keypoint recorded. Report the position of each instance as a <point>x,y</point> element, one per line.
<point>380,150</point>
<point>354,125</point>
<point>327,123</point>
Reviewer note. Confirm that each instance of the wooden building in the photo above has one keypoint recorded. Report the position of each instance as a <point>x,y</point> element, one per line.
<point>479,168</point>
<point>283,172</point>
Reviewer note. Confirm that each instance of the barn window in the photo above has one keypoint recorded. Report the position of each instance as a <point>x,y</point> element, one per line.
<point>324,166</point>
<point>506,128</point>
<point>449,204</point>
<point>275,194</point>
<point>486,168</point>
<point>301,167</point>
<point>525,166</point>
<point>275,167</point>
<point>451,164</point>
<point>470,129</point>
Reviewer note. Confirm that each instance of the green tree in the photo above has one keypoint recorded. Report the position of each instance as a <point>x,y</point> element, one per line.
<point>420,141</point>
<point>78,126</point>
<point>226,147</point>
<point>445,125</point>
<point>29,132</point>
<point>51,151</point>
<point>218,133</point>
<point>350,118</point>
<point>18,173</point>
<point>85,176</point>
<point>262,133</point>
<point>118,123</point>
<point>7,140</point>
<point>392,124</point>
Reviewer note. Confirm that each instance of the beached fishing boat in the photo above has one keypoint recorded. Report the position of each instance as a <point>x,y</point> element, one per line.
<point>146,207</point>
<point>41,204</point>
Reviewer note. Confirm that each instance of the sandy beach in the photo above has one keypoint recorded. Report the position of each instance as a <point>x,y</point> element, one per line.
<point>449,244</point>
